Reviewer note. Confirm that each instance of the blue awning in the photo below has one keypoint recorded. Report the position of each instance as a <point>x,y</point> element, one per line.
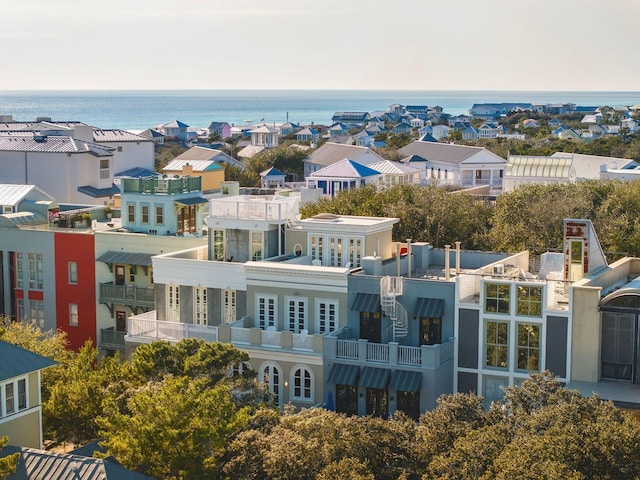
<point>374,378</point>
<point>406,381</point>
<point>366,302</point>
<point>99,192</point>
<point>344,374</point>
<point>191,201</point>
<point>429,308</point>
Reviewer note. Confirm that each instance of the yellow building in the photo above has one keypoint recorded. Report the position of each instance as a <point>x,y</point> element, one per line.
<point>20,401</point>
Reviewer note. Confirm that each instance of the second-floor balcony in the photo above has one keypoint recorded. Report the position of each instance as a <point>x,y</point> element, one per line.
<point>392,353</point>
<point>126,295</point>
<point>111,339</point>
<point>144,328</point>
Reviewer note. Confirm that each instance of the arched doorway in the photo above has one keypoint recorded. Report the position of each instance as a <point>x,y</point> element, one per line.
<point>620,339</point>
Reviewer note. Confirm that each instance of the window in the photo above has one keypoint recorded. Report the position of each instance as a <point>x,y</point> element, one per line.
<point>496,298</point>
<point>36,312</point>
<point>355,247</point>
<point>296,314</point>
<point>493,389</point>
<point>218,245</point>
<point>229,306</point>
<point>326,316</point>
<point>20,306</point>
<point>528,347</point>
<point>347,399</point>
<point>150,275</point>
<point>145,214</point>
<point>19,270</point>
<point>496,341</point>
<point>302,384</point>
<point>267,311</point>
<point>119,148</point>
<point>377,403</point>
<point>159,215</point>
<point>430,331</point>
<point>132,273</point>
<point>9,398</point>
<point>131,213</point>
<point>173,303</point>
<point>73,273</point>
<point>529,301</point>
<point>409,403</point>
<point>256,246</point>
<point>335,251</point>
<point>316,248</point>
<point>22,394</point>
<point>35,271</point>
<point>270,376</point>
<point>104,169</point>
<point>200,305</point>
<point>73,314</point>
<point>297,250</point>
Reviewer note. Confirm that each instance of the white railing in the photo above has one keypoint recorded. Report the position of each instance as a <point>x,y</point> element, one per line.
<point>378,352</point>
<point>271,339</point>
<point>409,355</point>
<point>170,331</point>
<point>347,349</point>
<point>240,335</point>
<point>302,342</point>
<point>446,351</point>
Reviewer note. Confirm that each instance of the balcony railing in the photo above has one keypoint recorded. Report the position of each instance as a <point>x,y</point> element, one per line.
<point>126,295</point>
<point>428,356</point>
<point>143,328</point>
<point>111,339</point>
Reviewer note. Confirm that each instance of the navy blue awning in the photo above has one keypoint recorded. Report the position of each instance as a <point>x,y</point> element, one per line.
<point>406,381</point>
<point>374,378</point>
<point>344,374</point>
<point>429,308</point>
<point>191,201</point>
<point>366,302</point>
<point>99,192</point>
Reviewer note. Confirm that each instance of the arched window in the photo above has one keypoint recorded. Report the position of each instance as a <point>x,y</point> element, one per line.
<point>270,376</point>
<point>302,384</point>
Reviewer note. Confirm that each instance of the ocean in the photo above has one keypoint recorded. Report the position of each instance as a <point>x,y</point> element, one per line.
<point>142,109</point>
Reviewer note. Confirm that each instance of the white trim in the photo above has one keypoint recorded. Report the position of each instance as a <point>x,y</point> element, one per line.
<point>299,316</point>
<point>328,302</point>
<point>267,320</point>
<point>292,387</point>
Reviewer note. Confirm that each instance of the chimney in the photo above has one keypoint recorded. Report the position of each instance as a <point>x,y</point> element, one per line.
<point>446,262</point>
<point>187,169</point>
<point>83,133</point>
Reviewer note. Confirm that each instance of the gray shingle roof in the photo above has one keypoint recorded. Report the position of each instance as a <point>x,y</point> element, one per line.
<point>442,152</point>
<point>116,135</point>
<point>52,143</point>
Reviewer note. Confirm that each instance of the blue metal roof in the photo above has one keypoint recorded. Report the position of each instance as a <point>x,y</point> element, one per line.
<point>16,361</point>
<point>99,192</point>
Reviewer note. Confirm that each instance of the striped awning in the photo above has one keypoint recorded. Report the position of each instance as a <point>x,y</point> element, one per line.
<point>126,258</point>
<point>406,381</point>
<point>429,307</point>
<point>366,302</point>
<point>344,374</point>
<point>374,378</point>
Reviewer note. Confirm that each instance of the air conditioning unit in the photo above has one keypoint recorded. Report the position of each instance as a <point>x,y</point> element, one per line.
<point>498,269</point>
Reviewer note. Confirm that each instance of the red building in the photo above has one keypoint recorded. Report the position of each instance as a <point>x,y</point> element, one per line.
<point>75,279</point>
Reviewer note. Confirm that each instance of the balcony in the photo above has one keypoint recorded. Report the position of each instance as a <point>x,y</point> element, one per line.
<point>392,353</point>
<point>145,328</point>
<point>163,185</point>
<point>129,295</point>
<point>110,339</point>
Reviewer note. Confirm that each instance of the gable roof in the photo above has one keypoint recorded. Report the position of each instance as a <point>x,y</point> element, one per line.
<point>199,153</point>
<point>272,172</point>
<point>447,152</point>
<point>332,152</point>
<point>198,165</point>
<point>11,194</point>
<point>16,361</point>
<point>345,168</point>
<point>51,144</point>
<point>394,168</point>
<point>174,124</point>
<point>116,135</point>
<point>40,464</point>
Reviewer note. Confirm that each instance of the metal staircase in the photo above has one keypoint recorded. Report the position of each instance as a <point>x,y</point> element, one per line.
<point>390,288</point>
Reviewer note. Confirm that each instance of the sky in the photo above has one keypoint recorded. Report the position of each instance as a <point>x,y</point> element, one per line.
<point>565,45</point>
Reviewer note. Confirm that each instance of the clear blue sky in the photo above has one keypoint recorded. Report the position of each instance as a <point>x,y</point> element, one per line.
<point>325,44</point>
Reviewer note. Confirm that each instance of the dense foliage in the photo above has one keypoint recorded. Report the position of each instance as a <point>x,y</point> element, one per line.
<point>528,218</point>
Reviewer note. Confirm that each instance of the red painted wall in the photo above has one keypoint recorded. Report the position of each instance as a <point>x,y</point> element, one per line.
<point>79,248</point>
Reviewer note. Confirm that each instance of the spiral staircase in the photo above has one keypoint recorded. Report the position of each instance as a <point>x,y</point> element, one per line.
<point>390,289</point>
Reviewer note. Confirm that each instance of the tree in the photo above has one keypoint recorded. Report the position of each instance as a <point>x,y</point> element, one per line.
<point>9,463</point>
<point>175,428</point>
